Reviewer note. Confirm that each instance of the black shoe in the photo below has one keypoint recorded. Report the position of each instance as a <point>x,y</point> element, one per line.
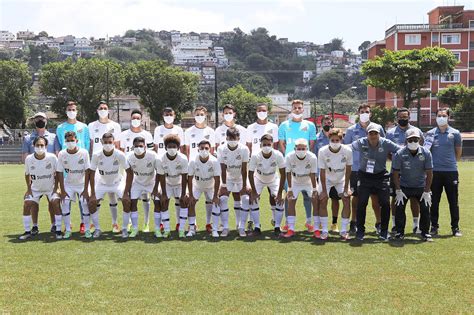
<point>34,230</point>
<point>394,230</point>
<point>53,229</point>
<point>378,228</point>
<point>353,227</point>
<point>434,231</point>
<point>25,236</point>
<point>457,233</point>
<point>360,236</point>
<point>249,226</point>
<point>384,236</point>
<point>58,235</point>
<point>256,232</point>
<point>399,236</point>
<point>426,237</point>
<point>277,231</point>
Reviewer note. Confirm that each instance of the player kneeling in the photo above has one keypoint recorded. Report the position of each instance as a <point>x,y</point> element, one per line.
<point>263,173</point>
<point>172,174</point>
<point>301,169</point>
<point>335,166</point>
<point>109,163</point>
<point>74,163</point>
<point>203,178</point>
<point>40,176</point>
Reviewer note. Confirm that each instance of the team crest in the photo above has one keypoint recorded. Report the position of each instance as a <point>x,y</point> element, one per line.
<point>273,164</point>
<point>223,134</point>
<point>32,167</point>
<point>304,129</point>
<point>380,149</point>
<point>193,135</point>
<point>48,166</point>
<point>128,139</point>
<point>161,135</point>
<point>255,131</point>
<point>211,169</point>
<point>307,166</point>
<point>178,167</point>
<point>238,157</point>
<point>65,162</point>
<point>80,130</point>
<point>96,130</point>
<point>207,136</point>
<point>81,161</point>
<point>149,164</point>
<point>101,163</point>
<point>421,157</point>
<point>116,162</point>
<point>450,136</point>
<point>343,160</point>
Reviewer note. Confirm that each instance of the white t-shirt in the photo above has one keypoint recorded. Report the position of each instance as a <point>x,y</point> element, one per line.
<point>97,130</point>
<point>204,172</point>
<point>301,169</point>
<point>335,163</point>
<point>233,159</point>
<point>221,134</point>
<point>144,169</point>
<point>194,135</point>
<point>41,171</point>
<point>255,131</point>
<point>127,136</point>
<point>74,165</point>
<point>172,169</point>
<point>110,168</point>
<point>267,170</point>
<point>162,131</point>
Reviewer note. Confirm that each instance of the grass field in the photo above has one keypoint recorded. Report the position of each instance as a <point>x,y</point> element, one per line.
<point>233,275</point>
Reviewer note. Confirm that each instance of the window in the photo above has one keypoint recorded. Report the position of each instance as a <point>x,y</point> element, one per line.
<point>471,83</point>
<point>471,45</point>
<point>457,54</point>
<point>451,38</point>
<point>471,64</point>
<point>471,24</point>
<point>450,77</point>
<point>412,39</point>
<point>435,38</point>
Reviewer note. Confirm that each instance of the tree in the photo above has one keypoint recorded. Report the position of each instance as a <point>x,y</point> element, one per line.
<point>334,44</point>
<point>383,115</point>
<point>257,61</point>
<point>407,72</point>
<point>84,81</point>
<point>334,81</point>
<point>363,49</point>
<point>252,82</point>
<point>245,103</point>
<point>15,83</point>
<point>159,85</point>
<point>461,99</point>
<point>40,55</point>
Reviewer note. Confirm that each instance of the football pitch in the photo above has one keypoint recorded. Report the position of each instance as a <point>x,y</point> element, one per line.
<point>260,275</point>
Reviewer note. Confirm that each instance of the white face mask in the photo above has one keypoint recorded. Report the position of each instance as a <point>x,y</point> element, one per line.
<point>297,116</point>
<point>71,145</point>
<point>413,145</point>
<point>103,113</point>
<point>229,117</point>
<point>71,114</point>
<point>232,144</point>
<point>262,115</point>
<point>266,149</point>
<point>139,150</point>
<point>364,117</point>
<point>300,153</point>
<point>136,123</point>
<point>199,119</point>
<point>442,121</point>
<point>203,153</point>
<point>335,145</point>
<point>40,150</point>
<point>168,119</point>
<point>108,147</point>
<point>172,151</point>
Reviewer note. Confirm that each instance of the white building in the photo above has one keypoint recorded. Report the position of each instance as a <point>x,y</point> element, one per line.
<point>301,52</point>
<point>82,42</point>
<point>307,75</point>
<point>25,35</point>
<point>323,66</point>
<point>7,36</point>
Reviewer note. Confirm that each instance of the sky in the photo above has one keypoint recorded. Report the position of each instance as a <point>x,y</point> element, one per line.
<point>298,20</point>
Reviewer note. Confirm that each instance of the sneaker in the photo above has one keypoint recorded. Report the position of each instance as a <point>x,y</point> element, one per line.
<point>377,228</point>
<point>242,233</point>
<point>309,227</point>
<point>134,232</point>
<point>345,236</point>
<point>97,233</point>
<point>87,234</point>
<point>67,235</point>
<point>158,233</point>
<point>215,234</point>
<point>166,234</point>
<point>284,229</point>
<point>394,230</point>
<point>34,230</point>
<point>225,233</point>
<point>334,228</point>
<point>146,228</point>
<point>191,233</point>
<point>272,222</point>
<point>181,234</point>
<point>353,227</point>
<point>360,236</point>
<point>426,238</point>
<point>276,231</point>
<point>250,226</point>
<point>289,234</point>
<point>324,235</point>
<point>124,233</point>
<point>434,231</point>
<point>58,235</point>
<point>115,228</point>
<point>256,232</point>
<point>317,234</point>
<point>399,236</point>
<point>25,236</point>
<point>384,237</point>
<point>53,229</point>
<point>176,228</point>
<point>457,233</point>
<point>209,228</point>
<point>416,230</point>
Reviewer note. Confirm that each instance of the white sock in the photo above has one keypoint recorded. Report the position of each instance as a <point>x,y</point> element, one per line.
<point>157,216</point>
<point>279,212</point>
<point>316,222</point>
<point>244,211</point>
<point>216,212</point>
<point>208,212</point>
<point>86,216</point>
<point>134,217</point>
<point>324,224</point>
<point>291,219</point>
<point>183,216</point>
<point>416,221</point>
<point>95,219</point>
<point>165,218</point>
<point>344,224</point>
<point>273,212</point>
<point>146,211</point>
<point>126,219</point>
<point>113,207</point>
<point>66,211</point>
<point>192,223</point>
<point>255,214</point>
<point>27,223</point>
<point>393,221</point>
<point>237,208</point>
<point>58,220</point>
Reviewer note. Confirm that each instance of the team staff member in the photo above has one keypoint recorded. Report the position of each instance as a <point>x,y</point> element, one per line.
<point>412,175</point>
<point>373,177</point>
<point>445,145</point>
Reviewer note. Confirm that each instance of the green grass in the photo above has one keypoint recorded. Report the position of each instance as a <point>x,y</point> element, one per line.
<point>263,275</point>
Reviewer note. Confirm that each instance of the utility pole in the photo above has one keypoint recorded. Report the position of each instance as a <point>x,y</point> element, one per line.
<point>216,100</point>
<point>107,83</point>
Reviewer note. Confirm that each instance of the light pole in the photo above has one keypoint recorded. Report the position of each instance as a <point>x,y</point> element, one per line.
<point>332,103</point>
<point>216,100</point>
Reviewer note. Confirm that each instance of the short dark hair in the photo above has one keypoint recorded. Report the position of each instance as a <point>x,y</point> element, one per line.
<point>38,138</point>
<point>204,142</point>
<point>233,133</point>
<point>102,103</point>
<point>228,106</point>
<point>138,140</point>
<point>136,111</point>
<point>327,117</point>
<point>69,134</point>
<point>262,104</point>
<point>71,103</point>
<point>266,137</point>
<point>443,109</point>
<point>168,110</point>
<point>172,138</point>
<point>402,110</point>
<point>200,107</point>
<point>364,105</point>
<point>107,135</point>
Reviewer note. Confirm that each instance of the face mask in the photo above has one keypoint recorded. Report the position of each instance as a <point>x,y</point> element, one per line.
<point>262,115</point>
<point>301,153</point>
<point>326,128</point>
<point>232,144</point>
<point>413,145</point>
<point>403,122</point>
<point>172,151</point>
<point>335,145</point>
<point>40,150</point>
<point>71,114</point>
<point>71,145</point>
<point>40,124</point>
<point>103,113</point>
<point>108,147</point>
<point>297,116</point>
<point>203,153</point>
<point>442,121</point>
<point>199,119</point>
<point>139,150</point>
<point>136,123</point>
<point>168,119</point>
<point>229,117</point>
<point>266,150</point>
<point>364,117</point>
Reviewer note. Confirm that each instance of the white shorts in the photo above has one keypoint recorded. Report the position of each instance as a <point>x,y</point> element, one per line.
<point>273,187</point>
<point>173,191</point>
<point>101,190</point>
<point>137,190</point>
<point>297,189</point>
<point>338,186</point>
<point>234,185</point>
<point>72,191</point>
<point>36,196</point>
<point>208,193</point>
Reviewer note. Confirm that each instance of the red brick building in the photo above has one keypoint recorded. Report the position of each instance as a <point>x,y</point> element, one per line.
<point>450,27</point>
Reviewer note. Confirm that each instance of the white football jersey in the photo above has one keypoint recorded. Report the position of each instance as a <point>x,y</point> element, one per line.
<point>110,168</point>
<point>97,130</point>
<point>162,131</point>
<point>42,172</point>
<point>144,169</point>
<point>233,159</point>
<point>335,163</point>
<point>127,136</point>
<point>221,134</point>
<point>74,166</point>
<point>204,172</point>
<point>172,169</point>
<point>255,131</point>
<point>267,170</point>
<point>194,135</point>
<point>301,169</point>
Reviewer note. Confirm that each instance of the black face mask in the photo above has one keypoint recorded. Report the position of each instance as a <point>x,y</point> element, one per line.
<point>403,122</point>
<point>326,127</point>
<point>40,124</point>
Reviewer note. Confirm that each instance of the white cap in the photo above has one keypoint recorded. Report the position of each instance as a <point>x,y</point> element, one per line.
<point>40,114</point>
